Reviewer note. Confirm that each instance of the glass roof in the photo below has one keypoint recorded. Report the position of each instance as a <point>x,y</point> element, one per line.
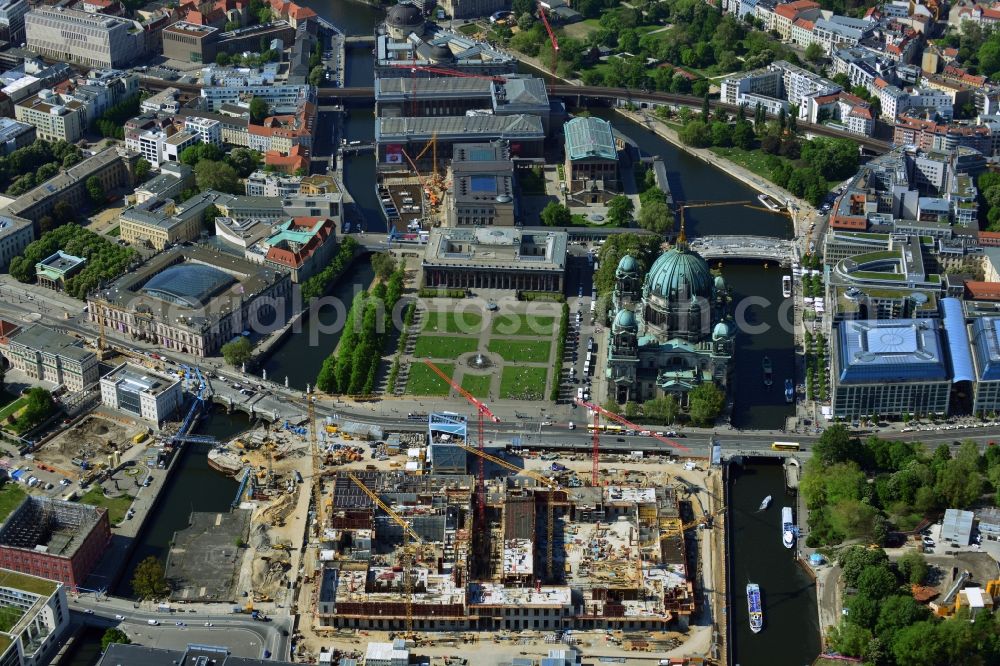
<point>191,285</point>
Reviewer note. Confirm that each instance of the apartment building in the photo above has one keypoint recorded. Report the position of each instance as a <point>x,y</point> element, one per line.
<point>785,15</point>
<point>94,40</point>
<point>205,130</point>
<point>55,117</point>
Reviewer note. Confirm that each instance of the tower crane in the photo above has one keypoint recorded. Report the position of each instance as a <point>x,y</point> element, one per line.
<point>408,559</point>
<point>541,478</point>
<point>481,411</point>
<point>552,38</point>
<point>704,520</point>
<point>317,477</point>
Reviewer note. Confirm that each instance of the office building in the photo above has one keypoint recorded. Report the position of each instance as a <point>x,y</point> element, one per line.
<point>120,654</point>
<point>591,160</point>
<point>53,539</point>
<point>468,9</point>
<point>93,40</point>
<point>190,42</point>
<point>482,192</point>
<point>56,117</point>
<point>495,258</point>
<point>44,354</point>
<point>193,300</point>
<point>888,368</point>
<point>12,20</point>
<point>141,392</point>
<point>41,614</point>
<point>15,135</point>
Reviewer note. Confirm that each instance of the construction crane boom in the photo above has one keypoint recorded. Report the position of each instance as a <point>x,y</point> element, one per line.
<point>625,422</point>
<point>481,411</point>
<point>692,523</point>
<point>552,38</point>
<point>547,482</point>
<point>373,496</point>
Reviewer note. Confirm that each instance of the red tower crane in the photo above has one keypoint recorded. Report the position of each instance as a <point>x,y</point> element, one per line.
<point>552,39</point>
<point>481,410</point>
<point>598,410</point>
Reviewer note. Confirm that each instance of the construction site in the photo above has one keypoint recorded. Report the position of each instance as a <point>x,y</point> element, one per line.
<point>94,442</point>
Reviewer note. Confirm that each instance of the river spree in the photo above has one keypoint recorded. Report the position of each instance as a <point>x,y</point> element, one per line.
<point>791,625</point>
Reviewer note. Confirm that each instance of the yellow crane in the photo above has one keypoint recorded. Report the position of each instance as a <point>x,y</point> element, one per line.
<point>541,478</point>
<point>678,527</point>
<point>407,559</point>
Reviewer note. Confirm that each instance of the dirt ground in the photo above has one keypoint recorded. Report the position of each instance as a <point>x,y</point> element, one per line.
<point>92,439</point>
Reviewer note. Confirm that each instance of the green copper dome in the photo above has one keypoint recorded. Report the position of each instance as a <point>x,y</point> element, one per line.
<point>624,319</point>
<point>678,272</point>
<point>721,331</point>
<point>628,264</point>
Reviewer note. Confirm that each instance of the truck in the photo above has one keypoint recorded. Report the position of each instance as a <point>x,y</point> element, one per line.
<point>259,616</point>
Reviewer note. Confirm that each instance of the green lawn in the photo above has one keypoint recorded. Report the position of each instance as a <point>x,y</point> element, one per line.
<point>518,324</point>
<point>12,407</point>
<point>453,322</point>
<point>478,385</point>
<point>117,231</point>
<point>523,383</point>
<point>752,160</point>
<point>444,346</point>
<point>525,351</point>
<point>27,583</point>
<point>9,615</point>
<point>424,381</point>
<point>117,506</point>
<point>11,495</point>
<point>469,29</point>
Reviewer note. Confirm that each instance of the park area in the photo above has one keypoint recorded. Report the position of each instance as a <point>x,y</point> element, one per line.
<point>515,348</point>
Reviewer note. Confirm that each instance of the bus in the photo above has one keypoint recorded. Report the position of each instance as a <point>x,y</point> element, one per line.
<point>785,446</point>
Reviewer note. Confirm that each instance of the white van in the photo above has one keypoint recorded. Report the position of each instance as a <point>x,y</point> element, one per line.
<point>153,623</point>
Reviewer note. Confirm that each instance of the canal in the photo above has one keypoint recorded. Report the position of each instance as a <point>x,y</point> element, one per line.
<point>193,486</point>
<point>791,625</point>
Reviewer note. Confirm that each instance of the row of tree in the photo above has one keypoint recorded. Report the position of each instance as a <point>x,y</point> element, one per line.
<point>989,196</point>
<point>112,123</point>
<point>885,626</point>
<point>317,285</point>
<point>705,404</point>
<point>352,369</point>
<point>863,488</point>
<point>32,165</point>
<point>105,260</point>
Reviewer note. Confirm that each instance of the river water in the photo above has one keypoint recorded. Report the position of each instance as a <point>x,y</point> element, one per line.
<point>791,625</point>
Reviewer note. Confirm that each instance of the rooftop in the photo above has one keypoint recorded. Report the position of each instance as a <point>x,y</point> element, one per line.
<point>504,248</point>
<point>59,264</point>
<point>137,379</point>
<point>896,350</point>
<point>518,126</point>
<point>590,138</point>
<point>46,340</point>
<point>47,525</point>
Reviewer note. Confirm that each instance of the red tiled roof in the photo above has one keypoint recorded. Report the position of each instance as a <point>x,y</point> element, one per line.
<point>297,258</point>
<point>862,112</point>
<point>848,222</point>
<point>804,24</point>
<point>990,238</point>
<point>982,291</point>
<point>790,10</point>
<point>881,83</point>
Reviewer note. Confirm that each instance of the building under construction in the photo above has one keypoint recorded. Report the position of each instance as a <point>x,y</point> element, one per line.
<point>407,552</point>
<point>54,539</point>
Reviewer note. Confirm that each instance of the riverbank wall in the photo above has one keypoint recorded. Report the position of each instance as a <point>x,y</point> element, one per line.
<point>727,629</point>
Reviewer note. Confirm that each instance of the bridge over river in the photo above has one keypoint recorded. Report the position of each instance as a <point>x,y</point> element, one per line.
<point>745,247</point>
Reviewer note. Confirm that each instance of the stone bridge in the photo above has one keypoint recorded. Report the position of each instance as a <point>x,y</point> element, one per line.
<point>763,248</point>
<point>258,403</point>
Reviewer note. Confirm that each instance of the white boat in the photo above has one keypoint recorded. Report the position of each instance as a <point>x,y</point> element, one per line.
<point>769,202</point>
<point>755,608</point>
<point>786,286</point>
<point>766,503</point>
<point>787,527</point>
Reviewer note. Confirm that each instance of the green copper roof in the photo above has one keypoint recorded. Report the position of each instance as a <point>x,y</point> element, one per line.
<point>589,138</point>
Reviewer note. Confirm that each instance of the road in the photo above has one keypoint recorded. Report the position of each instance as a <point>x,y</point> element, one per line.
<point>245,637</point>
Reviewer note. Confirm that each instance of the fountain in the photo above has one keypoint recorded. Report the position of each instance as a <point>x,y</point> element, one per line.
<point>479,362</point>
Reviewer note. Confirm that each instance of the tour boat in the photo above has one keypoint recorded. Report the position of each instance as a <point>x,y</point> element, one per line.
<point>786,286</point>
<point>789,391</point>
<point>755,608</point>
<point>787,527</point>
<point>766,364</point>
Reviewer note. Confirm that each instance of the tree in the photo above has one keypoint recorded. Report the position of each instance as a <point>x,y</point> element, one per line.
<point>849,638</point>
<point>208,216</point>
<point>834,445</point>
<point>114,635</point>
<point>897,612</point>
<point>696,133</point>
<point>556,215</point>
<point>913,567</point>
<point>814,52</point>
<point>620,210</point>
<point>95,190</point>
<point>656,216</point>
<point>856,559</point>
<point>223,59</point>
<point>704,108</point>
<point>612,406</point>
<point>237,352</point>
<point>877,582</point>
<point>384,265</point>
<point>39,406</point>
<point>211,175</point>
<point>663,409</point>
<point>705,403</point>
<point>244,160</point>
<point>316,75</point>
<point>743,134</point>
<point>258,110</point>
<point>142,168</point>
<point>149,581</point>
